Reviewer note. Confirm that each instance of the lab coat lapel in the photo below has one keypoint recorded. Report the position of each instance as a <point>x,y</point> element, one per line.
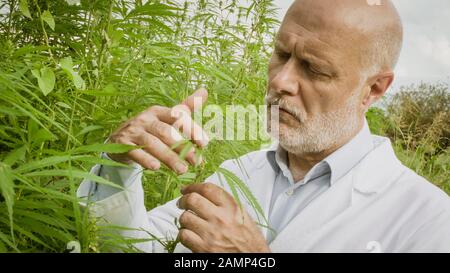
<point>263,193</point>
<point>369,177</point>
<point>320,211</point>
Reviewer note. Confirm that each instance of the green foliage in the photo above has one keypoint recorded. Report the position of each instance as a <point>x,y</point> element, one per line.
<point>70,73</point>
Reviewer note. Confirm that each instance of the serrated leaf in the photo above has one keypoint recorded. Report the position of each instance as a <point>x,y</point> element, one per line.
<point>23,6</point>
<point>47,17</point>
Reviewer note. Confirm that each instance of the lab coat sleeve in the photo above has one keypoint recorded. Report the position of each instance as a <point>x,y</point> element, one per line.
<point>126,207</point>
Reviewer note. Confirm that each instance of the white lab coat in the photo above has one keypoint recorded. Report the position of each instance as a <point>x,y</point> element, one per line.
<point>378,206</point>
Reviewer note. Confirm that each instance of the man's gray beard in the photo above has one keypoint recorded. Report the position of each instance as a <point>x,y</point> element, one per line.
<point>319,133</point>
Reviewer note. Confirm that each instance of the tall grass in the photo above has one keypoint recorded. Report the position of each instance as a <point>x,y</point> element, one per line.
<point>70,73</point>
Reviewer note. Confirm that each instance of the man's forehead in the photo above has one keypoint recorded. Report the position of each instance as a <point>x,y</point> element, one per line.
<point>309,41</point>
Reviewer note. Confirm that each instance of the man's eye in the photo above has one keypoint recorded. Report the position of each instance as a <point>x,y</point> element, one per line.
<point>313,69</point>
<point>283,55</point>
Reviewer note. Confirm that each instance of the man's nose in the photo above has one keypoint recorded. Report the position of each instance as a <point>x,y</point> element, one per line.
<point>286,81</point>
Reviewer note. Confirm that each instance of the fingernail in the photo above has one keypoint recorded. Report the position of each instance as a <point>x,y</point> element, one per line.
<point>180,167</point>
<point>154,165</point>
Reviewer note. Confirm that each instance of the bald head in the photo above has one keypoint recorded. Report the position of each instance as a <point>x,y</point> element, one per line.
<point>332,60</point>
<point>373,32</point>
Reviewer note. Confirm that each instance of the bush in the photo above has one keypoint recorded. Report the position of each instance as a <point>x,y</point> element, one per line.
<point>417,120</point>
<point>421,115</point>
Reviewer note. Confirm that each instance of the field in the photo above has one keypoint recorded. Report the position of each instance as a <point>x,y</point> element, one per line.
<point>72,72</point>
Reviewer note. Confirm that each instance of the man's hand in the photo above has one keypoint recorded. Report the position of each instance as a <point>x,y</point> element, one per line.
<point>157,129</point>
<point>214,222</point>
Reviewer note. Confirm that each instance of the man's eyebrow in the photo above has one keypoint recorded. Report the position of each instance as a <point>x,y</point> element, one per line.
<point>280,46</point>
<point>307,52</point>
<point>314,56</point>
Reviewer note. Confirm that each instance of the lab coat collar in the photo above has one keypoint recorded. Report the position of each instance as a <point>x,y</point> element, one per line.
<point>378,169</point>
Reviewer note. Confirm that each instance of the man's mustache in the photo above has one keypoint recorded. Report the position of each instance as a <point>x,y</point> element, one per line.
<point>283,104</point>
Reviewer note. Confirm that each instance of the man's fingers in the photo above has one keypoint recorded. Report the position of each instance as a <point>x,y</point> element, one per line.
<point>201,206</point>
<point>211,192</point>
<point>192,130</point>
<point>179,117</point>
<point>193,222</point>
<point>191,240</point>
<point>162,113</point>
<point>143,158</point>
<point>158,149</point>
<point>171,137</point>
<point>197,99</point>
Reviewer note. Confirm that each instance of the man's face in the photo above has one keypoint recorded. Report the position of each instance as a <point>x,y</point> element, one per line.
<point>315,77</point>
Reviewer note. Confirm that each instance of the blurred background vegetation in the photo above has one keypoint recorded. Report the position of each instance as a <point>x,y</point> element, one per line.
<point>71,71</point>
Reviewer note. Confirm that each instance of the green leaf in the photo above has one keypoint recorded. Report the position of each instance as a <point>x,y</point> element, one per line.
<point>63,105</point>
<point>46,79</point>
<point>48,18</point>
<point>78,81</point>
<point>104,162</point>
<point>45,162</point>
<point>236,183</point>
<point>67,65</point>
<point>7,189</point>
<point>23,6</point>
<point>75,174</point>
<point>89,129</point>
<point>16,155</point>
<point>5,239</point>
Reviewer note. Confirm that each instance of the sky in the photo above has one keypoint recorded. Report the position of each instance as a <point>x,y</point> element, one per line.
<point>425,54</point>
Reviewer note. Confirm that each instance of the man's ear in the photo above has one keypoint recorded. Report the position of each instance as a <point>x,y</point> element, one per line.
<point>378,86</point>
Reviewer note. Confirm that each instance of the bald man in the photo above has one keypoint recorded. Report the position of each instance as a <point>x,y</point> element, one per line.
<point>325,185</point>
